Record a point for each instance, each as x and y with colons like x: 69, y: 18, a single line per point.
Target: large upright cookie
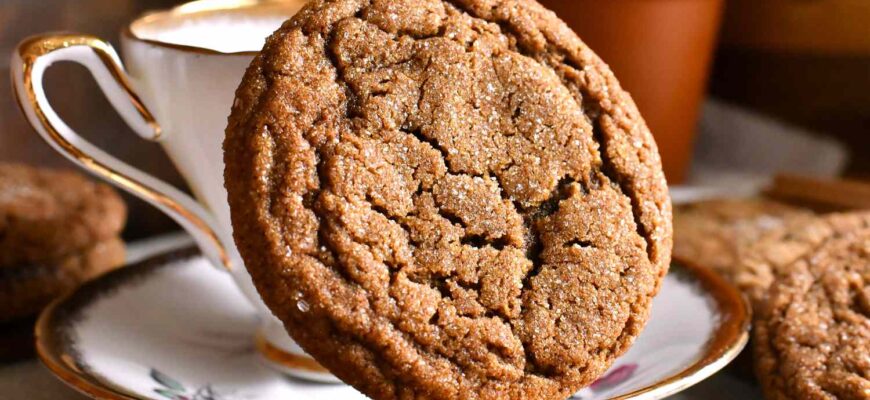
x: 812, y: 336
x: 47, y: 214
x: 446, y: 199
x: 734, y: 236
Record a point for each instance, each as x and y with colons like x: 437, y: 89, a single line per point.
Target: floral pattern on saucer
x: 171, y: 389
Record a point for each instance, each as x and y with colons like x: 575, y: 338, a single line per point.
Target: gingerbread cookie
x: 28, y: 288
x: 812, y: 334
x: 446, y: 199
x: 47, y: 214
x: 726, y: 235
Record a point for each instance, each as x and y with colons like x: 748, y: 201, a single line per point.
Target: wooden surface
x: 821, y: 194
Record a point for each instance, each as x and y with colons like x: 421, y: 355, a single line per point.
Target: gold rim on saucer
x: 726, y: 343
x: 55, y: 348
x: 285, y: 359
x: 54, y: 345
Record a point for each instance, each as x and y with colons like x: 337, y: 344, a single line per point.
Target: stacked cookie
x: 812, y: 332
x: 808, y: 280
x: 723, y: 234
x: 57, y: 229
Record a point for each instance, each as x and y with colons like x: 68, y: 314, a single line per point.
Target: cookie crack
x: 480, y: 241
x: 774, y: 320
x: 437, y: 284
x: 534, y: 246
x: 418, y: 133
x: 352, y: 108
x: 585, y: 244
x: 608, y: 167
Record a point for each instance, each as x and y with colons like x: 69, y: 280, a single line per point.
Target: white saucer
x: 173, y: 327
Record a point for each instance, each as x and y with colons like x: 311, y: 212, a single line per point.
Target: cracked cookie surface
x: 446, y: 199
x: 812, y: 335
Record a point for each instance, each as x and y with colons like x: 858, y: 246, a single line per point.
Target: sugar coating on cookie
x: 446, y: 199
x: 812, y: 336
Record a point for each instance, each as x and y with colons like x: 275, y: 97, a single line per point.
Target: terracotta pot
x: 660, y: 50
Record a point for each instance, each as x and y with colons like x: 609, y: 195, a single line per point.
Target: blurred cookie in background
x: 58, y: 229
x: 811, y: 334
x: 48, y: 214
x: 720, y: 234
x: 27, y: 288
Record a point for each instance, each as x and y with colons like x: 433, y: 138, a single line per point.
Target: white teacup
x: 182, y: 68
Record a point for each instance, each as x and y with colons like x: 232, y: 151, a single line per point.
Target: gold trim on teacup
x: 197, y: 7
x: 33, y: 48
x: 36, y: 46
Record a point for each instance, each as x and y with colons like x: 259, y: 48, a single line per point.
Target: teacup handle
x: 34, y: 56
